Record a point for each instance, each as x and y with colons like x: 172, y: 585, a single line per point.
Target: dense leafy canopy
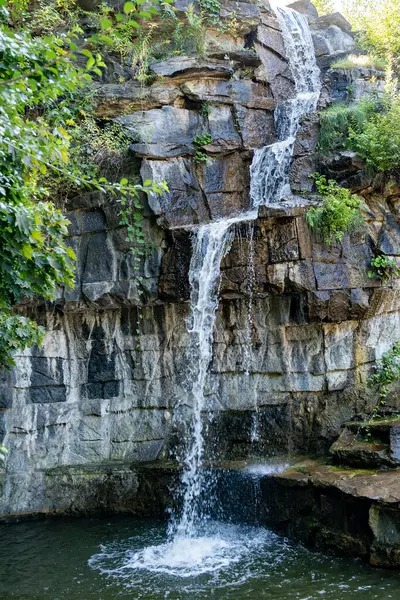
x: 39, y: 79
x: 378, y: 24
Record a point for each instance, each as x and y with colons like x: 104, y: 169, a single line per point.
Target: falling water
x: 251, y: 276
x: 269, y: 183
x: 271, y: 164
x: 209, y: 247
x: 191, y: 545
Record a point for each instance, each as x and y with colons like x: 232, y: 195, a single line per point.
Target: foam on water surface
x: 217, y: 548
x: 263, y: 469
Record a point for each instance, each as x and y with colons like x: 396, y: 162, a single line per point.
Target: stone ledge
x: 113, y: 487
x: 355, y: 512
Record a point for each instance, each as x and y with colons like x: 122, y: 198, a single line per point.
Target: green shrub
x: 378, y: 25
x: 93, y: 150
x: 377, y: 140
x: 189, y: 35
x: 383, y: 268
x: 211, y: 9
x: 387, y: 369
x: 337, y: 120
x: 324, y: 7
x: 340, y: 212
x: 40, y: 81
x: 387, y: 372
x: 370, y: 127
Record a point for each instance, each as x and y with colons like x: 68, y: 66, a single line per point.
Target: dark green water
x: 104, y: 560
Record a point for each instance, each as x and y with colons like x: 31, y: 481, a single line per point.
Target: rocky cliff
x: 299, y: 323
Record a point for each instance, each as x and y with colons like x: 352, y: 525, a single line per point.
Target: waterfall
x: 269, y: 183
x: 209, y: 246
x: 270, y: 168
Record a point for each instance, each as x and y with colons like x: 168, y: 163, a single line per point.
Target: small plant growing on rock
x: 340, y: 212
x: 204, y: 109
x: 199, y: 142
x: 387, y: 372
x: 383, y: 268
x: 211, y: 9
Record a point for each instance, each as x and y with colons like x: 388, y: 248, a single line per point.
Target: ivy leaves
x: 35, y: 257
x: 383, y: 268
x: 40, y: 78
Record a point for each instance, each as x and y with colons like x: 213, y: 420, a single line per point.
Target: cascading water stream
x: 269, y: 183
x: 210, y: 244
x: 192, y: 548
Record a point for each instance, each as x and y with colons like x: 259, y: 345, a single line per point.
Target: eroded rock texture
x: 110, y: 384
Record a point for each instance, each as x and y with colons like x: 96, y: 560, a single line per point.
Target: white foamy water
x: 209, y: 247
x: 262, y: 469
x: 271, y: 164
x: 218, y: 547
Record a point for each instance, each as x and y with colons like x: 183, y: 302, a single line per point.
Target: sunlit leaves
x: 40, y: 78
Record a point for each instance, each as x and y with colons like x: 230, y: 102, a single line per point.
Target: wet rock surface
x: 354, y: 511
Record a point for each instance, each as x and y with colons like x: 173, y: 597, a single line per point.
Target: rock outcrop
x: 354, y: 511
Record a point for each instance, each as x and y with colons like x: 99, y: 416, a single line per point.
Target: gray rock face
x: 184, y: 67
x: 336, y: 509
x: 247, y: 14
x: 245, y: 93
x: 115, y: 99
x: 334, y: 19
x: 162, y: 133
x: 332, y: 43
x: 305, y: 7
x: 184, y: 203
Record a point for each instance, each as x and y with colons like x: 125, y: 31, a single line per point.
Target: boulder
x: 247, y: 93
x: 219, y: 42
x: 225, y: 136
x: 350, y: 451
x: 225, y: 184
x: 163, y: 132
x: 275, y: 70
x: 272, y: 39
x: 332, y: 43
x: 247, y: 15
x: 184, y: 203
x: 336, y: 19
x: 369, y: 444
x: 113, y: 99
x: 389, y: 238
x: 304, y: 7
x: 353, y: 511
x: 257, y: 127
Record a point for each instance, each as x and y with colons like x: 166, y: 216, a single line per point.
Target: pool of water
x: 125, y: 558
